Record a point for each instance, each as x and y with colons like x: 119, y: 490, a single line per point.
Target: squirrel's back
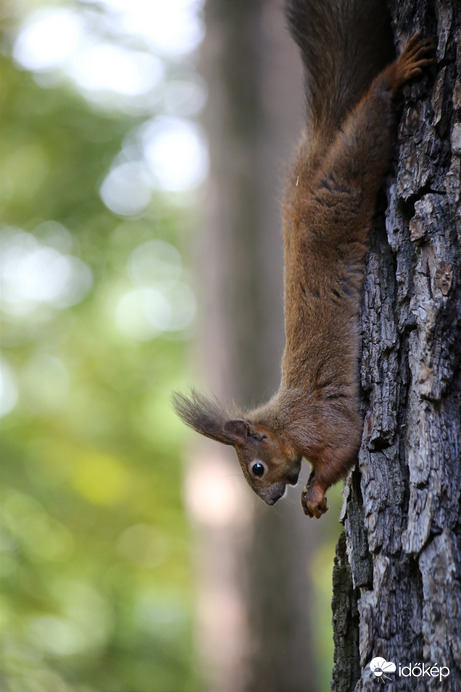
x: 344, y: 45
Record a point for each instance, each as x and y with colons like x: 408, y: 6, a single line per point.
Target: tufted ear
x: 208, y: 418
x: 237, y: 430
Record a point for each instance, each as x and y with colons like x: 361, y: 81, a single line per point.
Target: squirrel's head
x: 267, y: 464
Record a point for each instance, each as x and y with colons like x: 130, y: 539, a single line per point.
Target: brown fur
x: 329, y: 205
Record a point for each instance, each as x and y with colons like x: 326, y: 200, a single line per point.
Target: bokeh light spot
x: 100, y: 478
x: 32, y: 273
x: 176, y: 153
x: 105, y: 66
x: 47, y: 38
x: 126, y: 189
x: 155, y: 263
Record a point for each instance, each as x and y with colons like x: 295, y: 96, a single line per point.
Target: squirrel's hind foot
x: 417, y: 54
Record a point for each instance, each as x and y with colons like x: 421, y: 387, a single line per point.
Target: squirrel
x: 329, y: 203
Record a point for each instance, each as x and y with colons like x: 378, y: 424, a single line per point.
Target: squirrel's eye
x: 258, y: 469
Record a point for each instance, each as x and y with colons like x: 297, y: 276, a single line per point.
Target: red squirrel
x: 327, y: 213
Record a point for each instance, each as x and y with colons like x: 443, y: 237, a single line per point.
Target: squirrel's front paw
x: 313, y: 501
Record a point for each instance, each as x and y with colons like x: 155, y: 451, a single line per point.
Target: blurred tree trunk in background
x: 396, y: 583
x: 253, y: 565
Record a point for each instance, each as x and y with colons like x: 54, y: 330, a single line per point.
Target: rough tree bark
x: 397, y: 571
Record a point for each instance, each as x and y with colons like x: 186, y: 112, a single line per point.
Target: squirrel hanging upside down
x: 329, y: 205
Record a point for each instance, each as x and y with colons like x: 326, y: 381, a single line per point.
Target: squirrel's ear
x: 237, y: 430
x: 204, y: 415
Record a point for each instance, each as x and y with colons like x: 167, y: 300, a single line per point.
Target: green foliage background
x: 97, y: 589
x: 97, y: 582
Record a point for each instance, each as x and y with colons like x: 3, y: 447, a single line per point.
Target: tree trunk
x: 397, y: 571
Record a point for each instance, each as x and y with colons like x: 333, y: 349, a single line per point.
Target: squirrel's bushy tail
x: 344, y: 45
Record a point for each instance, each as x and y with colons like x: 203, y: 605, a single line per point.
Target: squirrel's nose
x: 275, y: 497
